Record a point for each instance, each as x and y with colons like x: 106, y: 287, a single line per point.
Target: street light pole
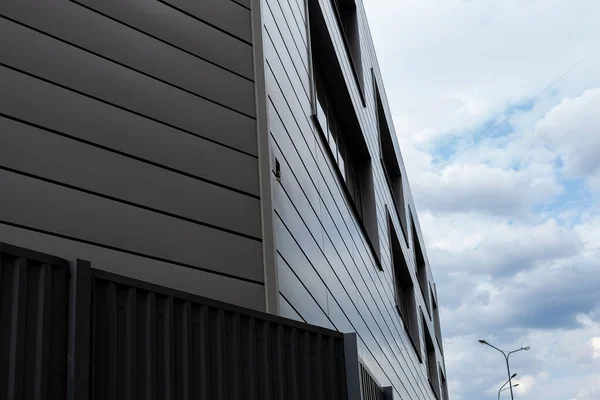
x: 509, y: 378
x: 506, y: 356
x: 502, y: 390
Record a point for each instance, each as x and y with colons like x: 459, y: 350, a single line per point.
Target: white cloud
x: 591, y: 392
x: 526, y: 384
x: 595, y: 345
x: 590, y: 233
x: 543, y: 298
x: 485, y: 246
x: 572, y: 128
x: 485, y: 189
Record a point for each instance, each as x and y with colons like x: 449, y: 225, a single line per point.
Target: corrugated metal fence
x: 33, y: 324
x: 71, y: 331
x: 152, y: 342
x: 370, y: 389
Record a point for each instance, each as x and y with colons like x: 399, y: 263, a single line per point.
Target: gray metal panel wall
x: 33, y: 324
x: 153, y: 342
x: 328, y: 275
x: 129, y: 131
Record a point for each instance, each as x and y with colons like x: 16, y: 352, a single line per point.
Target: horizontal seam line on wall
x: 304, y: 67
x: 130, y: 203
x: 290, y: 304
x: 131, y: 156
x: 125, y: 109
x: 242, y: 5
x: 88, y: 51
x: 167, y: 261
x: 300, y: 11
x: 290, y: 32
x: 326, y: 314
x: 162, y: 40
x: 206, y: 22
x: 297, y: 25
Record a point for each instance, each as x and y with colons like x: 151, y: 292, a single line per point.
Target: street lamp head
x: 508, y: 388
x: 513, y: 375
x: 482, y: 341
x: 526, y: 348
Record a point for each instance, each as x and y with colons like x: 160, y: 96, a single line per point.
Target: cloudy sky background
x: 512, y: 226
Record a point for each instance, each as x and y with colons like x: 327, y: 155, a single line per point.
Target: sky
x: 511, y: 225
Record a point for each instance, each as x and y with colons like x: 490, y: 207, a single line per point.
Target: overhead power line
x: 506, y: 118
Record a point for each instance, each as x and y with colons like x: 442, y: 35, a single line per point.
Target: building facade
x: 239, y: 150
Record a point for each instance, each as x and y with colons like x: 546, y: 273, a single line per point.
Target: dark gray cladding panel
x: 40, y: 55
x: 244, y: 3
x: 75, y: 214
x: 299, y: 297
x: 180, y: 30
x: 43, y: 104
x: 287, y: 311
x: 223, y: 14
x: 50, y: 156
x: 119, y: 43
x: 129, y: 130
x: 291, y: 253
x: 204, y: 283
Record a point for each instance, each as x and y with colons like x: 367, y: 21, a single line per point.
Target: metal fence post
x: 388, y: 392
x: 352, y: 366
x: 78, y: 354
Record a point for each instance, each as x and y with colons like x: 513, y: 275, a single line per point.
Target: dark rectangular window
x: 420, y: 264
x: 444, y: 386
x: 389, y: 161
x: 329, y: 120
x: 404, y: 290
x: 347, y: 17
x: 340, y: 130
x: 431, y: 361
x: 436, y: 321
